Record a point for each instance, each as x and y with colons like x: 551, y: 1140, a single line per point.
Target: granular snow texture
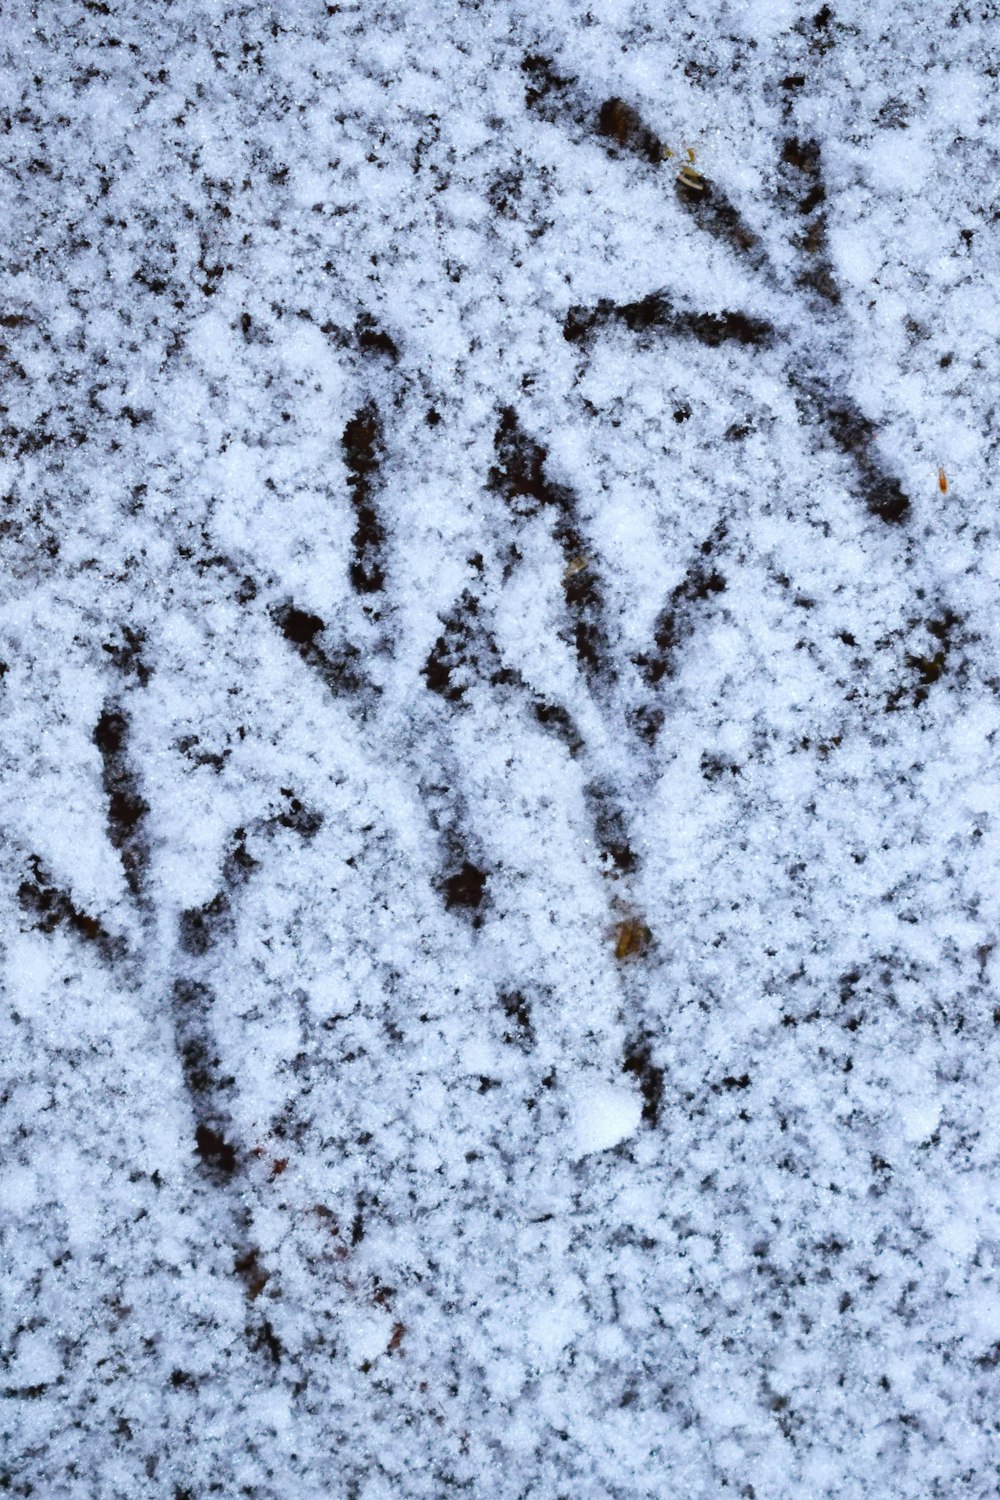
x: 499, y: 694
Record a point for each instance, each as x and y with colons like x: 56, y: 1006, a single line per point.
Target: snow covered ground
x: 498, y: 623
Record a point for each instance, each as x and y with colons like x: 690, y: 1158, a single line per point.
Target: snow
x: 498, y: 886
x: 605, y: 1116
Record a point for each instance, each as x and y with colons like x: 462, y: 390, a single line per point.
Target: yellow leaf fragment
x: 689, y: 178
x: 631, y: 938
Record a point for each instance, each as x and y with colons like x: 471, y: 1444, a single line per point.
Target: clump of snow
x: 604, y: 1116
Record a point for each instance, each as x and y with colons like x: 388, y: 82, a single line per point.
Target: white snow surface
x: 605, y: 1116
x: 498, y: 716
